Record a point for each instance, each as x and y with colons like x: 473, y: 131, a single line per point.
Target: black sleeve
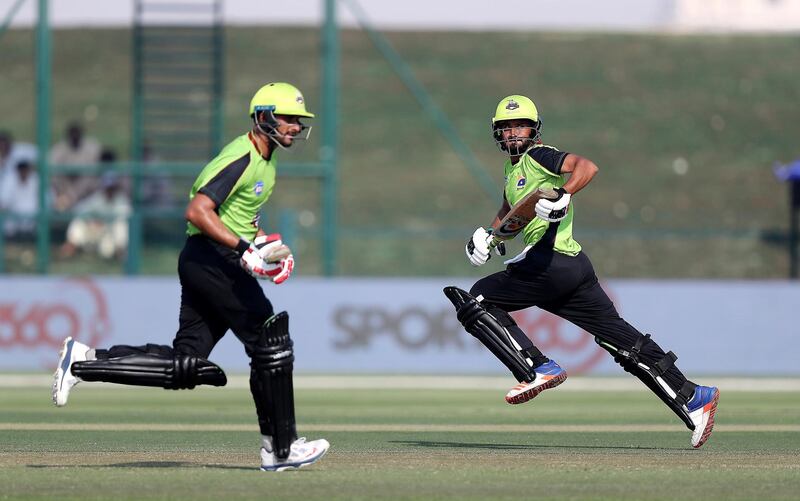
x: 549, y: 158
x: 220, y: 186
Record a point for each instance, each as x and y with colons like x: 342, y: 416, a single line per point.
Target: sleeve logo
x: 259, y: 187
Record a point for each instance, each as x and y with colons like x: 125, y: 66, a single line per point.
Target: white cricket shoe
x: 63, y: 379
x: 301, y: 453
x: 548, y: 375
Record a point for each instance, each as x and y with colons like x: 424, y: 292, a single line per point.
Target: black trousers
x: 568, y: 287
x: 216, y: 295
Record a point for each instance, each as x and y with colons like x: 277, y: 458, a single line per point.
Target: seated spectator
x: 101, y: 221
x: 108, y: 161
x: 11, y: 153
x: 156, y: 185
x: 76, y: 148
x: 81, y: 151
x: 19, y: 199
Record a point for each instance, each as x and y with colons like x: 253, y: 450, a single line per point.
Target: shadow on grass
x: 520, y: 447
x: 148, y: 464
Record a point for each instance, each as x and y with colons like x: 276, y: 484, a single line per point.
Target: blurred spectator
x: 108, y: 161
x: 79, y: 150
x: 788, y: 172
x: 76, y: 148
x: 19, y: 197
x: 11, y: 153
x: 156, y: 185
x: 101, y: 221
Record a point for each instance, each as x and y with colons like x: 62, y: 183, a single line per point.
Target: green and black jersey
x: 540, y: 167
x: 239, y: 181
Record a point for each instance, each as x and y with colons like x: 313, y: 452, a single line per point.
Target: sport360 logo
x: 416, y: 328
x: 74, y: 307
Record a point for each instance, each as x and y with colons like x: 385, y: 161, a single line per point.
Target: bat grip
x: 495, y: 241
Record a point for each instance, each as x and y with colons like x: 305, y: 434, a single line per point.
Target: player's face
x: 289, y: 127
x: 515, y: 134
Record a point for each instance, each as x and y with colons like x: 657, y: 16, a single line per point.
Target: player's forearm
x: 502, y: 212
x: 581, y: 174
x: 211, y: 225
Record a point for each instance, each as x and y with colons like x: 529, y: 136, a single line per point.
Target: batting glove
x: 479, y: 246
x: 271, y: 248
x: 251, y: 260
x: 554, y: 210
x: 282, y: 269
x: 278, y: 257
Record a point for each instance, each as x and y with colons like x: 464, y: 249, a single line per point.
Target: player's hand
x: 271, y: 248
x: 554, y: 210
x: 251, y: 260
x: 478, y: 247
x: 277, y: 255
x: 281, y: 270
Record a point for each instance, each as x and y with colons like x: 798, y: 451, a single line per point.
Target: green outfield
x: 395, y: 444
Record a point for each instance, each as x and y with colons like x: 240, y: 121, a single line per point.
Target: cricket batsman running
x: 225, y: 252
x: 554, y: 274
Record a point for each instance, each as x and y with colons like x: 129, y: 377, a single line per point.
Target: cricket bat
x: 520, y: 215
x: 278, y: 254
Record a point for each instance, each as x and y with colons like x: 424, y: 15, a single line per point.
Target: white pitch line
x: 409, y: 428
x: 449, y: 382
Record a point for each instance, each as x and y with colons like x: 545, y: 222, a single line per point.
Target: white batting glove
x: 554, y: 210
x: 478, y: 247
x: 250, y: 260
x: 277, y: 256
x: 281, y: 270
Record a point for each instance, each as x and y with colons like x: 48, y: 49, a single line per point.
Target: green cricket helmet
x: 280, y: 98
x: 516, y: 107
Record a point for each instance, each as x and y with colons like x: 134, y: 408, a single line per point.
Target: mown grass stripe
x: 410, y: 428
x: 447, y: 382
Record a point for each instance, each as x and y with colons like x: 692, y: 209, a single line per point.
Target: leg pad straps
x: 176, y: 372
x: 489, y: 331
x: 271, y: 364
x: 650, y: 374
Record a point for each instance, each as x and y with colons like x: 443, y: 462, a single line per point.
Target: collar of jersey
x: 255, y: 145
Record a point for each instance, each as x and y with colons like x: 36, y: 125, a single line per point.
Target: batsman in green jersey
x: 225, y: 252
x: 554, y: 274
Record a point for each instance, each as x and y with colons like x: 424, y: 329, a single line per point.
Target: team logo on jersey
x: 521, y: 182
x: 259, y: 187
x: 512, y: 105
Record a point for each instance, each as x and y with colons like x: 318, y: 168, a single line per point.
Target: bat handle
x: 495, y: 241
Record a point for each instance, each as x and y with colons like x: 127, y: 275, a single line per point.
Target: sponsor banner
x: 408, y: 326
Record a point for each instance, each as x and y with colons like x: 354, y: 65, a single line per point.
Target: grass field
x: 395, y: 443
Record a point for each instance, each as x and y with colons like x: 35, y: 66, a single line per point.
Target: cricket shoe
x: 702, y: 408
x: 63, y: 379
x: 301, y: 453
x: 548, y: 375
